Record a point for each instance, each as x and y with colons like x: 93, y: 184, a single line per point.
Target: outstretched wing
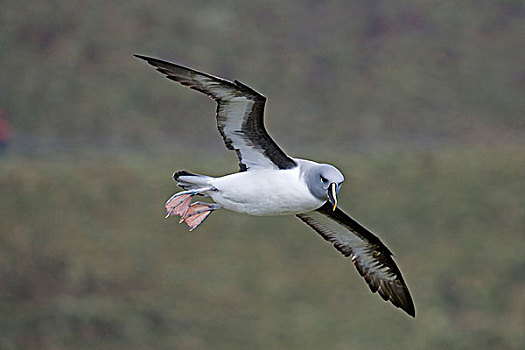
x: 370, y: 256
x: 240, y: 112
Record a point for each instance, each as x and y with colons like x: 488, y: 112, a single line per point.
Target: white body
x: 264, y: 192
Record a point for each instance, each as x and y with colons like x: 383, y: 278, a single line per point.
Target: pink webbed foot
x: 197, y: 213
x: 178, y: 204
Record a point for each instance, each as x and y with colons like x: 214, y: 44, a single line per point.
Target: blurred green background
x: 420, y: 104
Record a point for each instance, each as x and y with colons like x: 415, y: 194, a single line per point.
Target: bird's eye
x: 323, y: 179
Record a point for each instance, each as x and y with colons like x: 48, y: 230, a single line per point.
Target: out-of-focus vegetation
x: 88, y: 261
x: 420, y: 104
x: 380, y: 71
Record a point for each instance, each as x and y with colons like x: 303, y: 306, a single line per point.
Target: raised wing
x: 240, y: 112
x: 370, y: 256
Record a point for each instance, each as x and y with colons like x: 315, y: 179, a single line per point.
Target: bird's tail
x: 191, y: 181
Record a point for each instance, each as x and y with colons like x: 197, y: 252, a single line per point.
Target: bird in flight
x: 269, y: 182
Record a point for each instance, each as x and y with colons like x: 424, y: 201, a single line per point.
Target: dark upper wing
x: 370, y: 256
x: 240, y: 112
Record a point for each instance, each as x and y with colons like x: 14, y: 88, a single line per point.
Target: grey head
x: 323, y: 181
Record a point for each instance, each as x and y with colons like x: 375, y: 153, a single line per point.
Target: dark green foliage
x: 362, y: 72
x: 88, y: 260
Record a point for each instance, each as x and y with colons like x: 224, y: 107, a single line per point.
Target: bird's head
x: 324, y: 182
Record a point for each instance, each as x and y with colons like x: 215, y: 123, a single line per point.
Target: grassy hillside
x: 87, y: 259
x: 361, y: 71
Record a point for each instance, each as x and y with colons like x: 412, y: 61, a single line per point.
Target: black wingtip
x: 409, y: 306
x: 145, y: 58
x: 155, y: 62
x: 410, y: 310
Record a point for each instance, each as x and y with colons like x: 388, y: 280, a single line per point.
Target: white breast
x: 265, y: 192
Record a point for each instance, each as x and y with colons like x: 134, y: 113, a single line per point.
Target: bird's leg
x: 197, y: 213
x: 179, y: 203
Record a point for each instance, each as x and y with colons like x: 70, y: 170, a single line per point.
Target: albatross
x: 270, y: 182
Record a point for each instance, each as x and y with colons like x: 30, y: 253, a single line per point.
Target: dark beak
x: 332, y: 194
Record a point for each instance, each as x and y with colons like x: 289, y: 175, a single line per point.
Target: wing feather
x: 372, y: 259
x: 239, y: 114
